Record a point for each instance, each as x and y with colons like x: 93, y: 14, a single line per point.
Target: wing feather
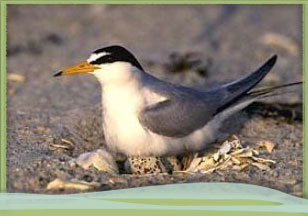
x: 176, y: 117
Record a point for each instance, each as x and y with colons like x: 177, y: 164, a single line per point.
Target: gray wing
x: 176, y: 117
x: 187, y: 109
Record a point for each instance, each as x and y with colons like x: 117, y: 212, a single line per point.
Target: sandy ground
x: 227, y: 41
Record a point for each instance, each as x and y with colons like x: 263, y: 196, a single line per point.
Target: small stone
x: 15, y: 77
x: 289, y: 181
x: 269, y: 145
x: 282, y: 41
x: 100, y: 159
x: 71, y: 184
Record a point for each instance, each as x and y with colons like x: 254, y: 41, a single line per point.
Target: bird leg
x: 187, y: 158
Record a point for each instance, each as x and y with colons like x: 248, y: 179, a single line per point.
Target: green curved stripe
x: 134, y: 212
x: 198, y: 202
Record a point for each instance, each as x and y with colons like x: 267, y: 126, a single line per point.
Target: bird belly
x: 126, y: 135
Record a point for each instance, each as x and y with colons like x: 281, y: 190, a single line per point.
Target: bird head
x: 113, y: 63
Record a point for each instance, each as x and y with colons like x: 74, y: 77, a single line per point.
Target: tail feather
x: 259, y: 94
x: 265, y: 91
x: 252, y: 96
x: 249, y: 98
x: 235, y: 90
x: 239, y: 87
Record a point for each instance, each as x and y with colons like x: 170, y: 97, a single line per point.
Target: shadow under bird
x: 146, y: 116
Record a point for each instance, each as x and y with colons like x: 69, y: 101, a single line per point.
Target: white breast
x: 122, y: 128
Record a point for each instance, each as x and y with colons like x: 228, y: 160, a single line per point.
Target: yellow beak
x: 82, y: 67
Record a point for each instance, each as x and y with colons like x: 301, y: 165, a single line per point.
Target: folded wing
x: 185, y: 110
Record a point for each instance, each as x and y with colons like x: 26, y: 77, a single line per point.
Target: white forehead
x: 95, y: 56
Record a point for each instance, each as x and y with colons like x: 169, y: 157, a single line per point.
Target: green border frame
x: 3, y: 98
x: 3, y: 60
x: 155, y: 2
x: 305, y: 97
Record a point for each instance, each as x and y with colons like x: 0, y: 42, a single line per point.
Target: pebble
x: 100, y: 159
x: 71, y: 184
x: 15, y: 77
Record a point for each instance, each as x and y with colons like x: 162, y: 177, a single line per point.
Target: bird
x: 146, y: 116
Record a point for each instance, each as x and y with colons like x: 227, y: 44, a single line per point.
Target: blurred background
x: 229, y: 40
x: 186, y: 44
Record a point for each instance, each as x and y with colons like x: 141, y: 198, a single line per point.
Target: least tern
x: 146, y: 116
